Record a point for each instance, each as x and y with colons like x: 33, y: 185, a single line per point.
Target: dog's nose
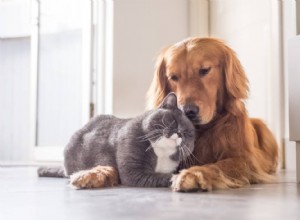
x: 191, y: 111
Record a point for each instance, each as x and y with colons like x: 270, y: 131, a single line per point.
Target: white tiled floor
x: 25, y: 196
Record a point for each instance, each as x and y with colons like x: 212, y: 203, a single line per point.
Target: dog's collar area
x: 200, y: 128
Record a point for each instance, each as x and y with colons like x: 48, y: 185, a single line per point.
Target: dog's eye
x: 204, y: 71
x: 174, y: 78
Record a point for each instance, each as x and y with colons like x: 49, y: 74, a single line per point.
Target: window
x: 61, y: 73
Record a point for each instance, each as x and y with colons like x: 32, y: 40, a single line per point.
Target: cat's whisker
x: 154, y: 131
x: 158, y: 137
x: 191, y: 161
x: 179, y: 154
x: 150, y: 135
x: 150, y: 138
x: 157, y: 140
x: 160, y: 125
x: 191, y: 153
x: 188, y: 160
x: 148, y: 148
x: 182, y: 156
x: 185, y: 158
x: 154, y: 134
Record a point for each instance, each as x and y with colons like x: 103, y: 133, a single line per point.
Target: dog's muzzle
x: 191, y: 111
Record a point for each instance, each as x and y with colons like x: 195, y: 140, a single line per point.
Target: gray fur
x: 51, y: 171
x: 125, y: 144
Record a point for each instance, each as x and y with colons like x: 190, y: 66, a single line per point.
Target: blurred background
x: 64, y: 61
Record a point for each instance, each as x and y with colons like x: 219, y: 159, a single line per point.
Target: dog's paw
x: 97, y: 177
x: 187, y: 181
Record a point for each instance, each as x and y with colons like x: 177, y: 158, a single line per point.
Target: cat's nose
x: 191, y: 111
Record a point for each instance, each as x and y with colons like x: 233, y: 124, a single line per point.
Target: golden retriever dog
x: 231, y: 149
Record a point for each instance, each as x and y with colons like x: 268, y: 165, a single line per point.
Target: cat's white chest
x: 164, y: 148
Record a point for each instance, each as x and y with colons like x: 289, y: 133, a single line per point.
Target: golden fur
x: 231, y: 149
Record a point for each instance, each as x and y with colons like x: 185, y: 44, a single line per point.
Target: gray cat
x: 145, y: 150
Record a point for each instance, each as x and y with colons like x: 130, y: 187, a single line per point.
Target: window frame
x: 55, y: 153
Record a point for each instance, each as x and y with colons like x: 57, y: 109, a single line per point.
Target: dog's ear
x: 236, y: 81
x: 159, y: 86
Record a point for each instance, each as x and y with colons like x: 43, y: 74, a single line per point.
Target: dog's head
x: 204, y: 73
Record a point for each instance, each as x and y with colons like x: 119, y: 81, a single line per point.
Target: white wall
x: 141, y: 29
x: 289, y: 30
x: 14, y: 99
x: 14, y: 80
x: 298, y: 16
x: 16, y: 14
x: 251, y: 28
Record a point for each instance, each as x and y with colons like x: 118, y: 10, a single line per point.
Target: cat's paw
x: 97, y: 177
x: 187, y: 181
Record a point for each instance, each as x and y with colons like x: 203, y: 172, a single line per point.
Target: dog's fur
x: 231, y: 150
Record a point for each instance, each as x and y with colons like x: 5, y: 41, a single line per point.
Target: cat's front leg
x: 97, y: 177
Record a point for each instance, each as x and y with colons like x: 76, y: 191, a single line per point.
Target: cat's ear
x: 169, y: 102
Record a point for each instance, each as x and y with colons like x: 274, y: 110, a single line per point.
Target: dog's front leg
x: 228, y: 173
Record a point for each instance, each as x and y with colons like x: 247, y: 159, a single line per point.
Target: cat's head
x: 168, y: 127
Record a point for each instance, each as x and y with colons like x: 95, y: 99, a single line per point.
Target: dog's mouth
x: 198, y: 121
x: 195, y: 120
x: 193, y: 113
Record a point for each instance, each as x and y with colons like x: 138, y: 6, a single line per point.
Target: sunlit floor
x: 25, y: 196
